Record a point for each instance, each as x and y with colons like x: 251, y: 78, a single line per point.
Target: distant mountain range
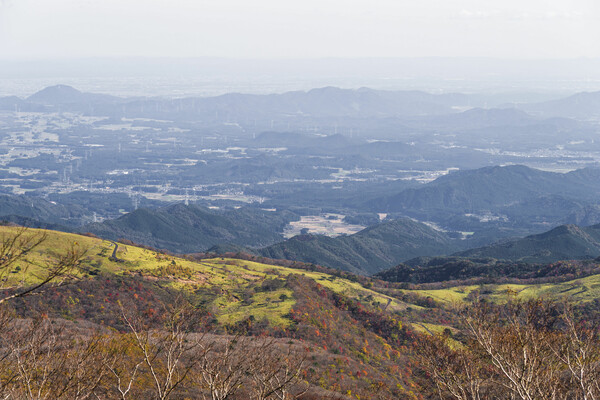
x: 188, y: 229
x: 323, y: 102
x: 67, y: 95
x: 480, y: 118
x: 585, y: 105
x: 368, y: 251
x: 495, y: 202
x: 33, y: 211
x: 490, y: 188
x: 514, y: 196
x: 566, y: 242
x: 318, y: 103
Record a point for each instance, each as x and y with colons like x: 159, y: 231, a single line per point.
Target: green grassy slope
x: 359, y: 329
x: 223, y: 284
x: 579, y: 290
x: 353, y: 341
x: 226, y: 287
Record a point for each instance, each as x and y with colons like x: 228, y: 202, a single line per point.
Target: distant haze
x: 182, y: 77
x: 299, y: 29
x: 208, y: 47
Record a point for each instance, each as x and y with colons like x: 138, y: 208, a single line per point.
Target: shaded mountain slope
x: 589, y: 215
x: 566, y: 242
x: 368, y: 251
x: 488, y: 188
x: 34, y: 223
x: 38, y: 209
x: 584, y: 105
x: 186, y: 229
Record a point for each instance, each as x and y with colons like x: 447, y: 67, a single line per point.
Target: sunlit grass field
x: 219, y: 283
x: 583, y: 289
x: 228, y: 287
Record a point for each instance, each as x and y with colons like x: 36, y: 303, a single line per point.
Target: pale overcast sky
x: 300, y: 29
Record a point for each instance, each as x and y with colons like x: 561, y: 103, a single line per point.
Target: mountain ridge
x: 494, y: 186
x: 368, y: 251
x: 565, y: 242
x: 189, y: 229
x: 64, y: 94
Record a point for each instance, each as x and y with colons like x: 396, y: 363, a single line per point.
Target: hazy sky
x: 300, y: 28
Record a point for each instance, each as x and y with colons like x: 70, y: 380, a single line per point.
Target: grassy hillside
x: 226, y: 287
x: 353, y: 342
x: 359, y: 330
x: 580, y: 290
x: 233, y: 277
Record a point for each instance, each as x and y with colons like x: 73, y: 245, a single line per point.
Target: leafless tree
x: 122, y: 361
x: 579, y: 351
x: 223, y: 366
x: 517, y: 338
x: 455, y: 372
x: 33, y: 345
x: 168, y: 353
x: 84, y: 372
x: 275, y: 371
x: 535, y: 349
x: 7, y: 370
x: 45, y: 361
x: 16, y: 245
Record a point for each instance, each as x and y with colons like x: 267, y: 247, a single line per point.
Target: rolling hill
x: 584, y: 105
x: 38, y: 209
x: 566, y: 242
x: 336, y: 320
x: 188, y: 229
x: 67, y: 95
x: 490, y: 188
x: 355, y: 330
x: 368, y: 251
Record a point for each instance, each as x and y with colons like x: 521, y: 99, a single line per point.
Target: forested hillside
x: 566, y: 242
x: 187, y: 229
x: 369, y: 250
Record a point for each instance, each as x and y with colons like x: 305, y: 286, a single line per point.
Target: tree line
x: 535, y: 349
